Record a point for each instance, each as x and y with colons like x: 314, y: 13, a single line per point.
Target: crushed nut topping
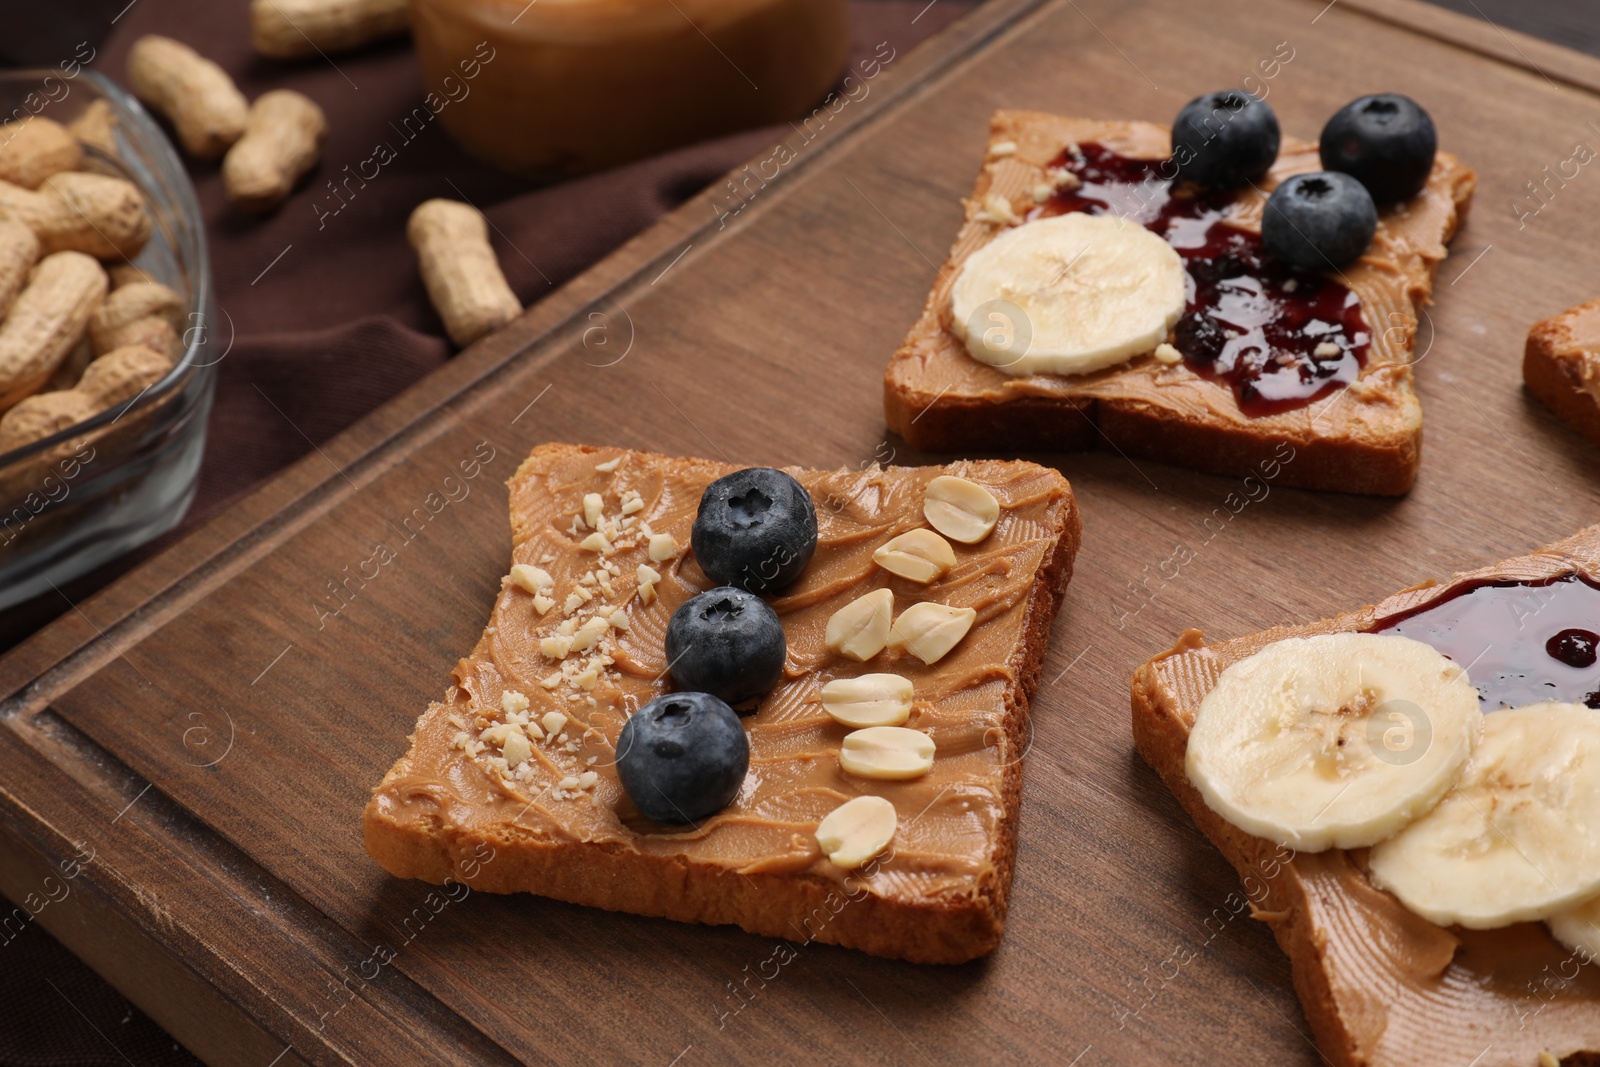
x: 662, y: 547
x: 997, y: 209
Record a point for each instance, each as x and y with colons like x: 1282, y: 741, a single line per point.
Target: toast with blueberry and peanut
x: 794, y: 701
x: 1202, y: 296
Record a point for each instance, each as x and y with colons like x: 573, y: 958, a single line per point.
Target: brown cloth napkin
x: 329, y: 319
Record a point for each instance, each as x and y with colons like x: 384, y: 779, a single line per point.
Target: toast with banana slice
x: 1214, y: 394
x: 1561, y: 367
x: 872, y: 791
x: 1381, y: 984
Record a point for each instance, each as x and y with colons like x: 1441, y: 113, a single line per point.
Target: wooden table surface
x: 209, y: 727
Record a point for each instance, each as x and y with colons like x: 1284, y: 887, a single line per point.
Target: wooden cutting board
x: 207, y: 730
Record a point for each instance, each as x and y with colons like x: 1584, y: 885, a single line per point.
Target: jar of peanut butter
x: 551, y: 87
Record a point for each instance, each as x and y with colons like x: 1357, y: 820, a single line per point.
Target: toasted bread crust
x: 1337, y: 452
x: 1292, y: 893
x: 949, y: 928
x: 1561, y: 367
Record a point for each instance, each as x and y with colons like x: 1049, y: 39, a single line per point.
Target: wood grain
x: 211, y: 725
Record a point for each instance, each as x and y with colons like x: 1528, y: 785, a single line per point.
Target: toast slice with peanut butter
x: 1561, y: 367
x: 1380, y: 985
x: 1356, y: 427
x: 510, y: 781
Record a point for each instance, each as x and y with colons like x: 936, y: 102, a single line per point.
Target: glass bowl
x: 78, y: 499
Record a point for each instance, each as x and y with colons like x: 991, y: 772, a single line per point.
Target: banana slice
x: 1518, y: 838
x: 1578, y: 928
x: 1068, y: 295
x: 1335, y: 741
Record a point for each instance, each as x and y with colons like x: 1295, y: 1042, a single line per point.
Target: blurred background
x: 326, y: 317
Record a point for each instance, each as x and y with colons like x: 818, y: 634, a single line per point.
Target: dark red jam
x: 1521, y: 642
x: 1252, y: 321
x: 1575, y: 648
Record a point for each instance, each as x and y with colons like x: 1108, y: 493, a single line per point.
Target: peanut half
x: 295, y: 29
x: 961, y: 510
x: 856, y: 831
x: 860, y: 629
x: 870, y: 700
x: 919, y: 555
x: 104, y: 217
x: 34, y: 148
x: 46, y: 321
x: 928, y: 631
x: 281, y: 142
x: 459, y: 269
x: 206, y: 109
x: 890, y: 753
x: 127, y: 315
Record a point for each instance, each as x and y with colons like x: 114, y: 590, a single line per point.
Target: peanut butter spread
x: 1391, y: 279
x: 1406, y: 993
x: 1583, y: 327
x: 1573, y: 337
x: 643, y: 505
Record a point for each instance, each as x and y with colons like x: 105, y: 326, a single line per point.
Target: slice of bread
x: 454, y: 808
x: 1380, y: 986
x: 1561, y: 366
x: 1365, y: 438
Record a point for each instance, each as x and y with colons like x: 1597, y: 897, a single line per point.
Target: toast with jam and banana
x: 1410, y: 792
x: 1203, y: 295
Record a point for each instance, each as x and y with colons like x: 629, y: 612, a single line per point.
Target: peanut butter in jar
x: 552, y: 87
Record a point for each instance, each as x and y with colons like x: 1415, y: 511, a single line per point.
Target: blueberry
x: 1199, y: 337
x: 1386, y: 142
x: 1219, y: 268
x: 1225, y: 139
x: 1319, y: 221
x: 756, y: 529
x: 726, y: 642
x: 682, y: 757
